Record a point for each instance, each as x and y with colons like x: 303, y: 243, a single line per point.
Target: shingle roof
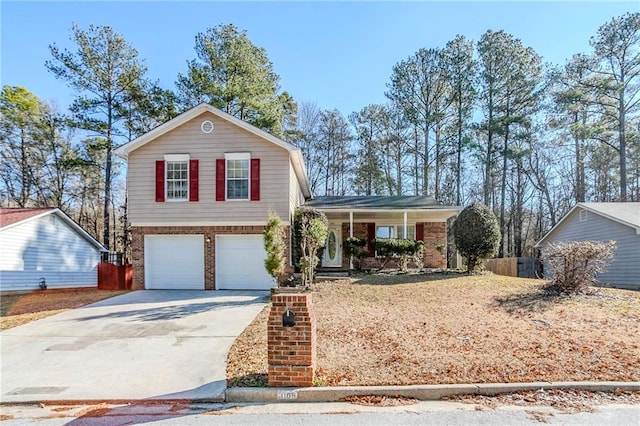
x: 624, y: 212
x: 376, y: 203
x: 11, y: 215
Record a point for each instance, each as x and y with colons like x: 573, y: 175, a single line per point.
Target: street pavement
x: 295, y: 414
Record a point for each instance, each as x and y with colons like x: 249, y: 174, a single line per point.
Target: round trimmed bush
x: 477, y: 234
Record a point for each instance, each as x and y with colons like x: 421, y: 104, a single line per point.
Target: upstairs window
x: 176, y: 178
x: 237, y: 176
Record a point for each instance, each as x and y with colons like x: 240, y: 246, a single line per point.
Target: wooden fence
x: 523, y: 267
x: 114, y: 277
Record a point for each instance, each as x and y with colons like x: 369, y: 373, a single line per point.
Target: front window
x: 177, y: 177
x: 395, y: 231
x: 237, y: 176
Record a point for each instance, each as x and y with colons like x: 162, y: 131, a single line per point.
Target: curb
x: 420, y: 392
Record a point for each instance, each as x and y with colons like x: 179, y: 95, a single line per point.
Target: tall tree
x: 617, y: 47
x: 418, y: 86
x: 102, y: 71
x: 369, y: 125
x: 233, y: 74
x: 146, y: 105
x: 573, y: 111
x: 306, y: 138
x: 494, y: 61
x: 19, y: 112
x: 335, y: 137
x: 461, y: 75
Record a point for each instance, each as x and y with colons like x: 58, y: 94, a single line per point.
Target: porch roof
x: 378, y: 203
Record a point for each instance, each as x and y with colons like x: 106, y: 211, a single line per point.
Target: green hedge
x: 404, y: 250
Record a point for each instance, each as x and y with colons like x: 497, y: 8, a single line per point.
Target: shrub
x: 476, y: 233
x: 575, y: 264
x: 310, y: 228
x: 404, y: 250
x: 274, y: 244
x: 354, y: 247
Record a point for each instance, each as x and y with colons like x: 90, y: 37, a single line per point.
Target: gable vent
x: 207, y: 126
x: 583, y: 215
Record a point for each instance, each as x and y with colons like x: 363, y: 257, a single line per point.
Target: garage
x: 240, y: 263
x: 174, y: 262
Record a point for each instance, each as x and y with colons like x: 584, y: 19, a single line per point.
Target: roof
x: 295, y: 154
x: 10, y: 217
x: 627, y: 214
x: 398, y: 202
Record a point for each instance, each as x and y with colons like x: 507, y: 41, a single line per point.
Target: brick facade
x: 435, y: 234
x: 209, y: 232
x: 291, y: 351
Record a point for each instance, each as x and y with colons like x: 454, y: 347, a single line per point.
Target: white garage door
x: 240, y: 263
x: 174, y: 262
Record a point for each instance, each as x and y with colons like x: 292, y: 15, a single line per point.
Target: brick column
x: 291, y: 350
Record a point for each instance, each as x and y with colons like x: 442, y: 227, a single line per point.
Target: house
x: 44, y: 245
x: 619, y: 222
x: 200, y: 188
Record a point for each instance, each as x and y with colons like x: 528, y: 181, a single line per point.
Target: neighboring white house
x: 619, y: 222
x: 39, y: 244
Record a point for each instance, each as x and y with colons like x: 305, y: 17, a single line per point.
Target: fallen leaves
x: 380, y: 400
x: 563, y: 400
x: 439, y: 329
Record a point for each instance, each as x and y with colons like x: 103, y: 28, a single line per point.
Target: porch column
x: 351, y: 236
x: 351, y: 224
x: 404, y: 223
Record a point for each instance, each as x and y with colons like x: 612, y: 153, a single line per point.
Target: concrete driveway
x: 152, y: 344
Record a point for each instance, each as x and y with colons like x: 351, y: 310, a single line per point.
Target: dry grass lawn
x: 18, y: 309
x: 451, y: 328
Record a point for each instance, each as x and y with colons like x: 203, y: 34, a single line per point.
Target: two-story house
x: 200, y: 188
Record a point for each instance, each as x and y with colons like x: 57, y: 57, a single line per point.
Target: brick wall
x: 291, y: 351
x: 435, y: 233
x: 359, y: 230
x: 137, y: 246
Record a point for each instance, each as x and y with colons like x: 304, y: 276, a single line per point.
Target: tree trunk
x: 622, y: 145
x: 107, y: 178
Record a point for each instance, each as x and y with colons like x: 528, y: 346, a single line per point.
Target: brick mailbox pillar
x: 291, y: 349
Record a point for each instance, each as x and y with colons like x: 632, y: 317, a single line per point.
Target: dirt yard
x: 452, y: 328
x: 18, y: 309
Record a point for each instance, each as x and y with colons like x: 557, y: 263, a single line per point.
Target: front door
x: 333, y: 248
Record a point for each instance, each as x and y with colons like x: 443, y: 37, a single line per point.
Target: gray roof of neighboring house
x: 628, y: 213
x: 377, y: 203
x: 625, y: 213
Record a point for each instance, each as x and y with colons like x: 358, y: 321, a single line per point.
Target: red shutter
x: 371, y: 234
x: 420, y: 231
x: 193, y: 180
x: 159, y: 181
x: 255, y: 179
x: 220, y: 180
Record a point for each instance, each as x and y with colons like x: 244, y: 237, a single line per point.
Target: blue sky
x: 336, y: 54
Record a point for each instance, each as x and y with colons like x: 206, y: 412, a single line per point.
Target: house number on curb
x: 288, y: 395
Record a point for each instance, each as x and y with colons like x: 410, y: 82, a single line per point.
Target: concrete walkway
x: 140, y: 345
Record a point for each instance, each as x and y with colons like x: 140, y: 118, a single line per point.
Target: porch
x: 414, y: 217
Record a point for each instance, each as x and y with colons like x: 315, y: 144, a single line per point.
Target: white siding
x: 625, y: 268
x: 48, y: 248
x: 189, y: 139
